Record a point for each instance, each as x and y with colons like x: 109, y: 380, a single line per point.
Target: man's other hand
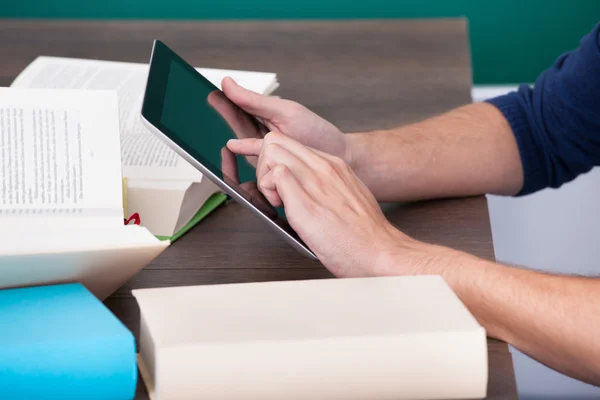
x: 330, y: 208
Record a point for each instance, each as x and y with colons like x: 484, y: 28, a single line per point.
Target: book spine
x: 424, y: 366
x: 86, y: 368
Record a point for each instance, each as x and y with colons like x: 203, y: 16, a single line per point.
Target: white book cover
x: 340, y: 339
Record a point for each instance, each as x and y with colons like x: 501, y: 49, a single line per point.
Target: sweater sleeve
x: 556, y: 123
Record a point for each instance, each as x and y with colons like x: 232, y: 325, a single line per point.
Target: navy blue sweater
x: 557, y: 122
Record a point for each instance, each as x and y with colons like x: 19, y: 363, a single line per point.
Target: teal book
x: 61, y: 342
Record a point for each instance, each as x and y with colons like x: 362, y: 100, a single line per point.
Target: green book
x: 211, y: 204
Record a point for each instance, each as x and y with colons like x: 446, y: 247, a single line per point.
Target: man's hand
x: 248, y: 189
x: 552, y: 318
x: 330, y: 208
x: 291, y: 119
x: 467, y: 151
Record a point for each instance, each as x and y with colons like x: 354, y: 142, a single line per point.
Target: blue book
x: 61, y: 342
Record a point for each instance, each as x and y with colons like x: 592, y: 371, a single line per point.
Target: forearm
x: 554, y: 319
x: 467, y: 151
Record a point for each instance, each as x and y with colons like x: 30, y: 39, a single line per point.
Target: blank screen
x: 188, y: 112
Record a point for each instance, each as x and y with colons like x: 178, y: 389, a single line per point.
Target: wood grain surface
x: 360, y: 75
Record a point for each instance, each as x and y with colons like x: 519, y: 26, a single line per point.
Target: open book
x: 362, y: 338
x: 164, y: 192
x: 61, y: 194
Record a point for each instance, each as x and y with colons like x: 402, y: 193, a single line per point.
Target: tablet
x: 195, y: 119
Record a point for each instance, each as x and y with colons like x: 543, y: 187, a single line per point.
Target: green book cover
x: 209, y: 206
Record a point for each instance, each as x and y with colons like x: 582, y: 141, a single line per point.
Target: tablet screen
x: 199, y: 118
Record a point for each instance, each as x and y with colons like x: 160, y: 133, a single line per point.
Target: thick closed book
x: 61, y: 342
x: 343, y: 339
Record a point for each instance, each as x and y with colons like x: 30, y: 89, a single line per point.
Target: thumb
x: 251, y: 102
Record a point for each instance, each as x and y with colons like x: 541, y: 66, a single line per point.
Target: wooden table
x: 360, y: 75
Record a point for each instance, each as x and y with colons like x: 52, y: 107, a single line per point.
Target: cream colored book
x: 61, y: 193
x: 336, y: 339
x: 164, y: 192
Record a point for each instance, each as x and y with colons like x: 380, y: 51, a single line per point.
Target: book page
x: 27, y: 241
x: 59, y: 154
x: 143, y: 155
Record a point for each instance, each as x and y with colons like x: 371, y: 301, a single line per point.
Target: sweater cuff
x: 510, y: 105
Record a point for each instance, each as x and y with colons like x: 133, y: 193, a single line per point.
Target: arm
x: 467, y: 151
x: 512, y: 145
x: 554, y: 319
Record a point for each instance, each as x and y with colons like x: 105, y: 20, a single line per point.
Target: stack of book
x: 355, y: 339
x: 71, y: 134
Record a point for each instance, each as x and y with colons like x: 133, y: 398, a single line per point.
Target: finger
x: 229, y: 167
x: 268, y: 189
x: 301, y: 151
x: 254, y: 103
x: 296, y: 201
x: 252, y: 147
x: 256, y: 198
x: 333, y: 170
x: 267, y: 182
x: 267, y: 160
x: 274, y: 154
x: 245, y: 147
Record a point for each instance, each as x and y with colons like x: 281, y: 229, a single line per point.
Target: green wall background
x: 512, y: 41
